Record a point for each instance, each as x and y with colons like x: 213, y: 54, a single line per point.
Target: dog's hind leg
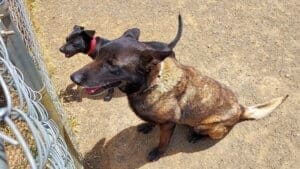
x: 194, y: 137
x: 218, y: 132
x: 214, y: 131
x: 109, y: 94
x: 145, y: 128
x: 197, y: 133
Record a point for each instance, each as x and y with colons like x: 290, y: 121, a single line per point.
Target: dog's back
x: 183, y: 95
x: 206, y: 101
x: 187, y: 96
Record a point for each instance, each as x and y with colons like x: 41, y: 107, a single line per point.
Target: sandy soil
x: 252, y: 46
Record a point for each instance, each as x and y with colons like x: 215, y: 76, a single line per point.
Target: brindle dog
x: 164, y: 92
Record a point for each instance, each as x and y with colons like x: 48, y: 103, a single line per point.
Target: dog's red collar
x: 92, y: 46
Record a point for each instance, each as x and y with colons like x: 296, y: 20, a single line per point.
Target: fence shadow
x: 128, y: 149
x: 74, y: 93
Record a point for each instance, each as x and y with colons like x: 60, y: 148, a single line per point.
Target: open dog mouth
x: 68, y: 55
x: 99, y: 89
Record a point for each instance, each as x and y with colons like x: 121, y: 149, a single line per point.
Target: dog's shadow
x: 74, y: 93
x: 129, y: 149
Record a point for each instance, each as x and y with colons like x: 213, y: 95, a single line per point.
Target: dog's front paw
x: 195, y: 137
x: 145, y: 128
x: 154, y: 155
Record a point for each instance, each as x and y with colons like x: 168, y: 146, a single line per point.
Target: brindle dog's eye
x: 116, y: 71
x: 113, y: 69
x: 110, y: 62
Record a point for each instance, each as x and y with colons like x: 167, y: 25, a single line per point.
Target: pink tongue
x: 91, y: 90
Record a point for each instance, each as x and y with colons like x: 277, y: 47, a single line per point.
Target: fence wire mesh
x: 19, y: 102
x: 17, y: 11
x: 51, y: 149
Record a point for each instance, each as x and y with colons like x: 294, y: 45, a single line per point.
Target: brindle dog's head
x: 123, y: 62
x: 78, y: 41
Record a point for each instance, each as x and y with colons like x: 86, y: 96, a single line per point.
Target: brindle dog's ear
x: 132, y: 33
x: 89, y: 33
x: 152, y: 56
x: 76, y: 27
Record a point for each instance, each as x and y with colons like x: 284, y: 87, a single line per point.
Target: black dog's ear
x: 89, y: 33
x: 132, y: 33
x: 76, y: 27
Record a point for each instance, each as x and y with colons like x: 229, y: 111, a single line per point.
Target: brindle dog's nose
x: 62, y: 49
x: 78, y: 78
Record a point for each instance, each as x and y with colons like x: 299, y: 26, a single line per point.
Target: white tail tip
x: 262, y: 110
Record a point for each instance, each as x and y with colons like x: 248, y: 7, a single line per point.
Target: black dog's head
x: 78, y: 41
x: 123, y: 63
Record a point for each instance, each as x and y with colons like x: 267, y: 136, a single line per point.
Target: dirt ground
x: 252, y: 46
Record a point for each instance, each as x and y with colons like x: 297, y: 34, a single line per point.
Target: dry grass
x: 15, y: 154
x: 73, y: 123
x: 31, y: 10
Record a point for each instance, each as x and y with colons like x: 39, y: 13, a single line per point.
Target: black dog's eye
x: 76, y: 44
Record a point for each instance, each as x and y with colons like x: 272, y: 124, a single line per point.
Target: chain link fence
x: 23, y: 79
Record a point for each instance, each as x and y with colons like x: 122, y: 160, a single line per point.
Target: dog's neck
x: 92, y: 46
x: 99, y: 42
x: 164, y: 76
x: 154, y: 77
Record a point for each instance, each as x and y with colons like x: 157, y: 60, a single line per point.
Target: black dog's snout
x: 78, y: 78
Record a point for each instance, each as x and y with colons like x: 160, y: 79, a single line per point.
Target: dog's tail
x: 179, y: 33
x: 262, y: 110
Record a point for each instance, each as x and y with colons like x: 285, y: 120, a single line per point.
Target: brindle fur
x: 185, y: 96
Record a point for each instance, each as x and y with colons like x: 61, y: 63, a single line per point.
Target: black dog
x: 85, y: 41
